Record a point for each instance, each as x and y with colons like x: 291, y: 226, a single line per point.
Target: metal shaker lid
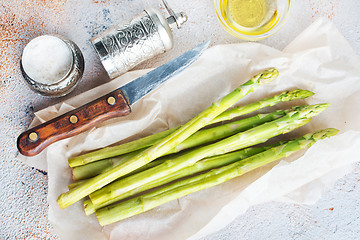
x: 175, y: 18
x: 163, y: 28
x: 165, y: 25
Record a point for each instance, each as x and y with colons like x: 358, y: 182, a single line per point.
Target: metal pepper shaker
x: 124, y: 46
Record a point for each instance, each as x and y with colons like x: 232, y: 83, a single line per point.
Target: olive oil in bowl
x: 249, y: 19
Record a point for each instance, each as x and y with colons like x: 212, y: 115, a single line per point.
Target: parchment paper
x: 319, y: 59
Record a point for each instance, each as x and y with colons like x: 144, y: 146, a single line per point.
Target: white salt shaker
x: 52, y: 65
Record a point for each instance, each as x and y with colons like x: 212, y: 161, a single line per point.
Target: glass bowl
x: 241, y: 18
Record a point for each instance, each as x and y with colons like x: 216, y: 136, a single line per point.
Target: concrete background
x: 23, y: 191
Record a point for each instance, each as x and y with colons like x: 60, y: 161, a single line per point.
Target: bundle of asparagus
x: 214, y: 177
x: 134, y: 177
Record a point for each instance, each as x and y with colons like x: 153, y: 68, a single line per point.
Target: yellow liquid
x: 250, y: 17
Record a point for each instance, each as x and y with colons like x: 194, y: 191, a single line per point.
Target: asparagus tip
x: 308, y: 111
x: 296, y: 94
x: 328, y: 132
x: 319, y: 135
x: 268, y: 75
x: 321, y: 107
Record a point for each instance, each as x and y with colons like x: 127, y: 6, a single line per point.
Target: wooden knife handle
x: 34, y: 140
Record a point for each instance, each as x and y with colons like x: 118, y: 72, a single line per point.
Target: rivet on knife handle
x: 74, y: 122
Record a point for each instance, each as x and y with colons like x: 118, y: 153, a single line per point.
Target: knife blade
x: 114, y: 104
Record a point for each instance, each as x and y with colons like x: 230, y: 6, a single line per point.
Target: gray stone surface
x: 23, y: 190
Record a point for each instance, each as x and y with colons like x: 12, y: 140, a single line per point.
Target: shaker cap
x: 177, y: 19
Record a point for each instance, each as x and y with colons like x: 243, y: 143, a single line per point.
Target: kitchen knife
x: 114, y: 104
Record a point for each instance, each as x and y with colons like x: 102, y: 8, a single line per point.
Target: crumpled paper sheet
x: 319, y: 59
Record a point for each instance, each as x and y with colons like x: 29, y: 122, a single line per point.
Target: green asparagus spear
x: 256, y: 135
x: 108, y: 152
x: 203, y: 165
x: 176, y: 190
x: 143, y: 168
x: 114, y: 151
x: 169, y: 142
x: 268, y: 102
x: 95, y: 168
x: 199, y: 138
